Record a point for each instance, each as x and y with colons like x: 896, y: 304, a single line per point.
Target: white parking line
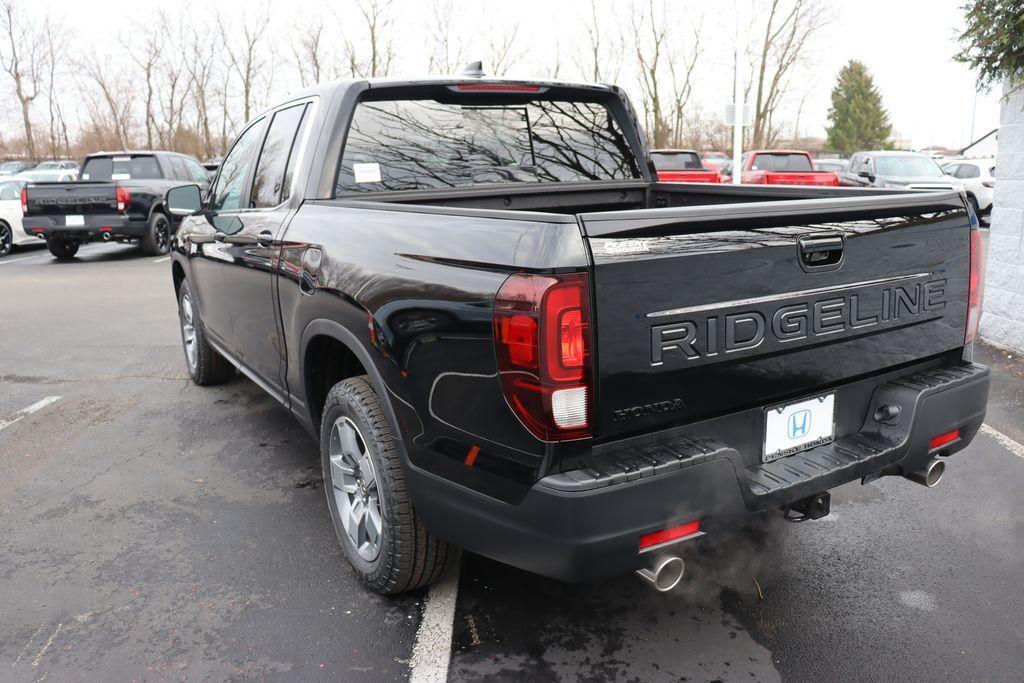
x: 433, y: 648
x: 1014, y: 447
x: 161, y: 260
x: 4, y: 262
x: 38, y: 405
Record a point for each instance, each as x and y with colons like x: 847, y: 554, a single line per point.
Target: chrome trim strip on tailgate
x: 786, y: 295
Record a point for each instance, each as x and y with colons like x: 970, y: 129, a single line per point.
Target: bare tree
x: 109, y: 110
x: 60, y: 144
x: 23, y: 57
x: 145, y: 47
x: 502, y: 48
x: 666, y: 72
x: 247, y: 56
x: 789, y: 28
x: 599, y: 57
x: 201, y: 68
x: 378, y: 26
x: 447, y: 53
x: 308, y: 52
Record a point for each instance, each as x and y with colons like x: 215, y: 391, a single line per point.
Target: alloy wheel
x: 355, y: 485
x: 6, y: 240
x: 188, y: 332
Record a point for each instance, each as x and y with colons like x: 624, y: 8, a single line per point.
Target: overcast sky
x: 907, y: 45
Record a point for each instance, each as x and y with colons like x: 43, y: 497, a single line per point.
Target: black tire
x: 62, y: 250
x: 974, y: 205
x: 6, y: 239
x: 206, y: 367
x: 157, y: 240
x: 409, y: 556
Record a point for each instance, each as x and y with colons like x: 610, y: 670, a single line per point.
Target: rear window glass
x: 676, y: 161
x: 121, y: 168
x: 781, y: 162
x: 425, y: 144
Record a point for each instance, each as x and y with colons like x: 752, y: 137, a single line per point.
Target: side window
x: 268, y: 185
x: 951, y: 170
x: 227, y: 194
x: 196, y: 172
x: 293, y: 157
x: 969, y: 171
x: 176, y: 169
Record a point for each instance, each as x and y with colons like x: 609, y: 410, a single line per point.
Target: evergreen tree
x: 858, y: 119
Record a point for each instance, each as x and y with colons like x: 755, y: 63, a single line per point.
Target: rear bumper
x: 585, y: 524
x: 97, y: 227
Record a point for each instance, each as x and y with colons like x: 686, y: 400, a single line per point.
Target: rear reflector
x: 665, y: 535
x: 943, y: 439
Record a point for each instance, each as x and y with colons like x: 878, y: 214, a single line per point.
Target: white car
x: 50, y: 175
x: 978, y: 177
x: 11, y: 230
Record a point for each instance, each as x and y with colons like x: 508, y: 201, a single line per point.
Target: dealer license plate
x: 796, y: 427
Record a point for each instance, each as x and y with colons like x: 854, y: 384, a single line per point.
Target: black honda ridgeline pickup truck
x: 508, y: 336
x: 119, y: 197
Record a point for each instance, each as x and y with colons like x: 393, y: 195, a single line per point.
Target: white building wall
x: 1003, y: 321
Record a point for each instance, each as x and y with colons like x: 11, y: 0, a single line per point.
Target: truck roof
x: 331, y: 87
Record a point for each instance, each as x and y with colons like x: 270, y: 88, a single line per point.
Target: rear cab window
x: 122, y: 167
x: 781, y: 161
x: 449, y: 141
x: 676, y: 161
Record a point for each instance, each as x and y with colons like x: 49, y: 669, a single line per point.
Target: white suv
x: 978, y: 177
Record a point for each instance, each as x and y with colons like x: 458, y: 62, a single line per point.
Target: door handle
x: 265, y: 238
x: 219, y: 236
x: 821, y: 252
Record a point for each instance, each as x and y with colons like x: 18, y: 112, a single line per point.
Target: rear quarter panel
x: 417, y: 289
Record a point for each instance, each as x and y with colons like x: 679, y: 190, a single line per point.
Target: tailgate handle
x: 821, y: 252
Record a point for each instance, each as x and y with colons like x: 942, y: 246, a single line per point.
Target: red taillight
x: 666, y: 535
x: 124, y: 198
x: 977, y: 287
x: 542, y: 341
x: 943, y: 439
x: 24, y: 201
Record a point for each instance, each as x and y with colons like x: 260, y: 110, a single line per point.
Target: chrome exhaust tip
x: 664, y: 573
x: 106, y: 237
x: 930, y: 475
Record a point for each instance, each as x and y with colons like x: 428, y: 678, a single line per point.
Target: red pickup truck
x: 683, y: 166
x: 783, y: 167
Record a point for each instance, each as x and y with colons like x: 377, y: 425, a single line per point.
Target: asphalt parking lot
x: 150, y: 529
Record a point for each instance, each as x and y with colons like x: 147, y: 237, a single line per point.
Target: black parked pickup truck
x: 119, y: 197
x: 507, y: 336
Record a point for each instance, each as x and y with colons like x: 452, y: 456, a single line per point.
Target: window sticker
x: 366, y: 173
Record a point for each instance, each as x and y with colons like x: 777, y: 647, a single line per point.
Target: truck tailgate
x: 826, y: 178
x: 706, y: 310
x: 81, y: 197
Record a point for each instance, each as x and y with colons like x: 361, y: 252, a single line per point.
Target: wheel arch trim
x: 323, y: 327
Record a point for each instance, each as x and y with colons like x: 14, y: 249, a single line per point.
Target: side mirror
x: 864, y: 173
x: 185, y: 200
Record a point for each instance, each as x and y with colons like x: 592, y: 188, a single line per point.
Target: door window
x: 178, y: 170
x: 196, y: 172
x: 969, y: 171
x: 268, y: 186
x: 227, y: 194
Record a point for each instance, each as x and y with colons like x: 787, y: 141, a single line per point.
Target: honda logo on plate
x: 799, y: 424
